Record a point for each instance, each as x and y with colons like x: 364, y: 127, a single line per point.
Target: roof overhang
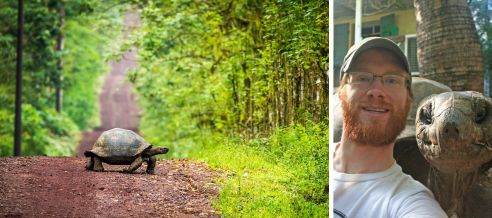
x: 346, y: 8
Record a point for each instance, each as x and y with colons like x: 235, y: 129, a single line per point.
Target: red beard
x: 374, y: 134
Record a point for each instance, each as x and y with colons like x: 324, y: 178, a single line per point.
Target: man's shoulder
x: 416, y: 204
x: 391, y: 193
x: 413, y: 199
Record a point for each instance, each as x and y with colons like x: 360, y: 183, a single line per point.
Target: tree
x: 239, y: 67
x: 59, y: 63
x: 448, y: 47
x: 90, y: 26
x: 482, y: 17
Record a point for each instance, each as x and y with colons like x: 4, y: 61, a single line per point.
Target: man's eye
x: 392, y: 81
x: 363, y: 79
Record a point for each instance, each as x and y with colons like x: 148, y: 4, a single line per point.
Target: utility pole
x: 18, y: 82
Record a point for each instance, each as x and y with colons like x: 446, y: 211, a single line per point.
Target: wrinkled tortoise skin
x: 454, y: 134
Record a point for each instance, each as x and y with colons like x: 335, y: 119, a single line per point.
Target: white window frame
x: 408, y: 36
x: 372, y: 25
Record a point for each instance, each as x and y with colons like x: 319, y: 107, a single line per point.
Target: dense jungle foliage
x: 87, y: 30
x: 241, y: 68
x: 241, y: 84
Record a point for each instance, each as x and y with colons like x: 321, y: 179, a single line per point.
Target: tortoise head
x: 157, y: 150
x: 162, y: 150
x: 454, y: 131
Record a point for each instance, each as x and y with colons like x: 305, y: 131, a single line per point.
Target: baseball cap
x: 373, y: 42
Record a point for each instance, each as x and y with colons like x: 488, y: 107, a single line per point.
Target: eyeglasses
x: 366, y: 79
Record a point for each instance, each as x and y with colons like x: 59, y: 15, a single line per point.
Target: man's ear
x: 340, y: 92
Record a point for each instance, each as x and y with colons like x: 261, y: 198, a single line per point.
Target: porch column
x: 358, y: 21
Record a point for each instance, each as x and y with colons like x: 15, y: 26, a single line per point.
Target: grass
x: 280, y: 176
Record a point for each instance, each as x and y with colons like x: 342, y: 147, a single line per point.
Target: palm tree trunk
x: 448, y: 47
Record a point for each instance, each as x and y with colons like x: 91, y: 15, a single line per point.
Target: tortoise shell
x: 119, y: 143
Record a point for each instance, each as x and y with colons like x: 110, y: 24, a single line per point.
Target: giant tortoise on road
x: 122, y: 147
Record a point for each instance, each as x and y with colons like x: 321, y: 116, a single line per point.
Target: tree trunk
x: 59, y: 64
x: 247, y: 106
x: 235, y: 97
x: 448, y: 48
x: 18, y: 82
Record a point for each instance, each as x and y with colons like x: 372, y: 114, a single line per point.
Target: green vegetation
x: 240, y: 68
x: 87, y: 42
x: 280, y: 176
x: 483, y: 16
x: 87, y: 33
x: 241, y: 85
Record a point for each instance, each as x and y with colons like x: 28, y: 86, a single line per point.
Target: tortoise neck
x: 450, y: 189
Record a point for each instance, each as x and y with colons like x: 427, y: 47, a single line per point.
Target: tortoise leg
x: 98, y: 167
x: 90, y: 164
x: 135, y: 165
x: 151, y: 165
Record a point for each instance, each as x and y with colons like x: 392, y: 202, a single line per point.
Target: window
x: 411, y: 52
x: 371, y: 29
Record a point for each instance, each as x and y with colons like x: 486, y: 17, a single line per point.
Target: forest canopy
x: 87, y: 30
x: 242, y: 68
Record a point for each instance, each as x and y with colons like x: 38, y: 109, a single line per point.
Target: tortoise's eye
x: 481, y: 110
x: 426, y: 114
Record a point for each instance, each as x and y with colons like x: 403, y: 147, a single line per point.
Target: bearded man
x: 376, y: 96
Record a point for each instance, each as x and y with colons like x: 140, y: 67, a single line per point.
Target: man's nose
x: 376, y: 89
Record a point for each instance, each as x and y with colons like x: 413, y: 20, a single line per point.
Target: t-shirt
x: 389, y: 193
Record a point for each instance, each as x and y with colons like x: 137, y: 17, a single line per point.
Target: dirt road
x: 61, y: 187
x: 117, y: 103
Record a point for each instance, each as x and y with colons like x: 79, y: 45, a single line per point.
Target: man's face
x: 375, y: 114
